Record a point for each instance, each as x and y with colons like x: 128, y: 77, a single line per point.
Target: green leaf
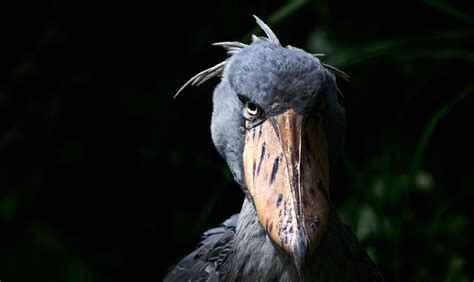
x: 449, y: 10
x: 367, y: 224
x: 433, y: 122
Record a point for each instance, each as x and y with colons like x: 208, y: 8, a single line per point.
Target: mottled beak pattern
x: 286, y: 171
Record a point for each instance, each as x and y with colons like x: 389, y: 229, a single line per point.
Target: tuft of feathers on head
x: 233, y: 47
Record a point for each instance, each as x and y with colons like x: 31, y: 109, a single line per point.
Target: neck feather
x: 338, y: 257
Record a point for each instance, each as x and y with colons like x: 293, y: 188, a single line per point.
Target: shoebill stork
x: 278, y: 122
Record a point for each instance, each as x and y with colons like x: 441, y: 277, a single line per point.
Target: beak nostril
x: 300, y: 253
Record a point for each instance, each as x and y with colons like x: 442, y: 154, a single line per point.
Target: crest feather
x: 270, y: 34
x: 234, y: 47
x: 204, y: 76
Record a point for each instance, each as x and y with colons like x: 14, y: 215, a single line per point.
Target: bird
x: 279, y: 122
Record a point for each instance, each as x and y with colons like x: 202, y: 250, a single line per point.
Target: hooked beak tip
x: 300, y: 253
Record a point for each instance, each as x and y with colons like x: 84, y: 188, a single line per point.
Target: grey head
x: 278, y: 122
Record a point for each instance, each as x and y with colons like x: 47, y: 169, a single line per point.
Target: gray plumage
x: 276, y: 78
x: 204, y: 264
x: 240, y: 250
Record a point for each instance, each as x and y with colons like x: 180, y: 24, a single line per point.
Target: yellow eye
x: 252, y: 109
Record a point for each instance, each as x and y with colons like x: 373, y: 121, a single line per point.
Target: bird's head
x: 279, y: 124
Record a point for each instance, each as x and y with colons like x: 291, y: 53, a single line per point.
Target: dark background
x: 104, y: 177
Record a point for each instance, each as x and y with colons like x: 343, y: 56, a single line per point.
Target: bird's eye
x: 252, y: 109
x: 252, y: 114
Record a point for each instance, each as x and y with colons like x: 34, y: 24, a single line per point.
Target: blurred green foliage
x: 95, y: 172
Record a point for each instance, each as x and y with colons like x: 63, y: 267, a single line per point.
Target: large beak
x: 287, y: 174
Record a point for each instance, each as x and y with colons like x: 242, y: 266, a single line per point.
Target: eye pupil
x: 251, y: 108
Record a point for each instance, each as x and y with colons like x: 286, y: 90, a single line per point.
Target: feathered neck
x: 338, y: 257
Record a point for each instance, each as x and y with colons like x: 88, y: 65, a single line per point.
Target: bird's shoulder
x: 204, y: 263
